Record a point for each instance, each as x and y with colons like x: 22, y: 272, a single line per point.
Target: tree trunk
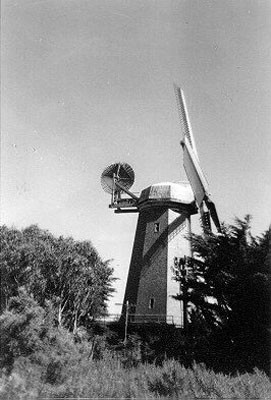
x: 75, y: 323
x: 60, y: 315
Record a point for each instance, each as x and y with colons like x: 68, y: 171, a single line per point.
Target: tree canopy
x: 68, y: 274
x: 228, y: 293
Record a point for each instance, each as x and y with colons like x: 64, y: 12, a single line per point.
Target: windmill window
x: 151, y: 303
x: 156, y: 227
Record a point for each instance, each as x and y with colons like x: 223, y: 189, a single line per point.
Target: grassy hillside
x: 108, y: 378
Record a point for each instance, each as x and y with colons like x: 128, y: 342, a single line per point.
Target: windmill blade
x: 211, y: 207
x: 194, y: 172
x: 184, y: 118
x: 192, y: 166
x: 199, y: 185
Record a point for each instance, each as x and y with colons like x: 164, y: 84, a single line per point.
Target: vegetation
x: 53, y: 290
x: 228, y: 291
x: 68, y: 275
x: 107, y: 378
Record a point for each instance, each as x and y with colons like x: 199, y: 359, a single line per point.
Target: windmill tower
x: 163, y: 228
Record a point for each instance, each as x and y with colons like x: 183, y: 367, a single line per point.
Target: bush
x: 107, y: 378
x: 22, y: 329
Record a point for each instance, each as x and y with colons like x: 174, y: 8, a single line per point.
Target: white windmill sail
x: 184, y: 118
x: 192, y: 166
x: 194, y: 172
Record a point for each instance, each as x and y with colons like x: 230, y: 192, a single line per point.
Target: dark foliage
x: 229, y: 290
x: 54, y: 288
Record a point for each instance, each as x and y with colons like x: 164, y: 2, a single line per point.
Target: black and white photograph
x: 135, y: 229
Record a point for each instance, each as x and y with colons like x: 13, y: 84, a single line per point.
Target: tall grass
x: 108, y: 378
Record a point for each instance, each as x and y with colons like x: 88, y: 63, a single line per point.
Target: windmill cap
x: 168, y: 192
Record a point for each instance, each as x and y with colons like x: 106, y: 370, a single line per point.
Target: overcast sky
x: 87, y: 83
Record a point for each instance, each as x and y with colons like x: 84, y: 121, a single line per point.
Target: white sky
x: 88, y: 83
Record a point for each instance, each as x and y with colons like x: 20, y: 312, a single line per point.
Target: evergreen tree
x: 228, y: 294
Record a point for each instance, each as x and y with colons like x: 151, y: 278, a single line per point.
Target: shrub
x: 107, y: 378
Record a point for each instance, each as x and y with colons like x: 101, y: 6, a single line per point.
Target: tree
x: 229, y: 290
x: 68, y: 273
x: 13, y: 268
x: 29, y: 338
x: 22, y: 328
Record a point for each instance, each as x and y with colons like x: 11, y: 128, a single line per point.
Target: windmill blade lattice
x: 191, y: 164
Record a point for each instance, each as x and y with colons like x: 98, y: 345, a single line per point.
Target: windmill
x: 163, y: 228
